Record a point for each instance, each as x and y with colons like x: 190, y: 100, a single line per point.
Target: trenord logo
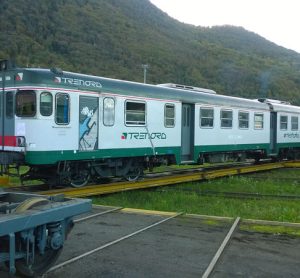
x: 143, y: 136
x: 78, y: 82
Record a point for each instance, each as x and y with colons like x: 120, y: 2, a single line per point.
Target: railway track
x: 149, y: 175
x: 95, y: 190
x: 162, y: 179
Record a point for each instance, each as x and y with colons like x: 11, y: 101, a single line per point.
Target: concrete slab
x: 180, y: 247
x: 260, y: 255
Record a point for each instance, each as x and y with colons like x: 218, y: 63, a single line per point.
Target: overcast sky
x: 275, y: 20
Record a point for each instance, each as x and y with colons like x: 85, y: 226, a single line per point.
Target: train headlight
x: 20, y: 141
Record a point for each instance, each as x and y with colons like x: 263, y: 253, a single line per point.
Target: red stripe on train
x: 9, y: 141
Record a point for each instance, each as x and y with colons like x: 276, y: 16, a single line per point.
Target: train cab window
x: 169, y: 115
x: 258, y: 121
x: 46, y: 104
x: 135, y: 113
x: 206, y: 117
x: 243, y: 120
x: 226, y: 118
x: 108, y: 111
x: 9, y: 105
x: 283, y: 122
x: 25, y: 104
x: 295, y: 123
x: 62, y: 111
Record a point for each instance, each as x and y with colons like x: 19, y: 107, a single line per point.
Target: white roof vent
x: 188, y: 88
x: 273, y: 101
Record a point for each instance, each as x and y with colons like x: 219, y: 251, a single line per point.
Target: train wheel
x: 80, y: 175
x: 134, y: 174
x: 80, y: 179
x: 42, y: 262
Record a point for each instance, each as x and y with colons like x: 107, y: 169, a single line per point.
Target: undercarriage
x: 80, y: 173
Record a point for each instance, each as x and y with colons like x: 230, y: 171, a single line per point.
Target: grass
x: 14, y: 180
x: 278, y: 230
x: 187, y: 198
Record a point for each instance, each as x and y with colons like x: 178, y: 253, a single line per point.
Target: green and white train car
x: 284, y: 129
x: 69, y: 127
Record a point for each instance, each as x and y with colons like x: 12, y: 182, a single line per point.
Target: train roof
x: 280, y: 106
x: 55, y: 78
x: 286, y: 108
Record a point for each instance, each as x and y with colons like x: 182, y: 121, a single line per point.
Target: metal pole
x: 145, y: 67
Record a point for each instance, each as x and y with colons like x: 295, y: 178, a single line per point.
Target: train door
x: 2, y: 120
x: 88, y: 123
x: 187, y: 132
x: 273, y: 132
x: 7, y: 121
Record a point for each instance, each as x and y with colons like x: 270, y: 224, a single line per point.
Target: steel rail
x: 74, y: 259
x: 95, y: 190
x: 218, y: 254
x: 292, y: 164
x: 96, y: 214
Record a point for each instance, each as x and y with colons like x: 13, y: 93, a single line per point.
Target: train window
x: 206, y: 117
x: 243, y: 120
x: 62, y: 113
x: 46, y: 104
x: 135, y: 113
x: 108, y: 111
x: 283, y: 122
x: 295, y: 123
x: 9, y: 105
x: 258, y: 121
x: 226, y: 118
x: 25, y: 104
x: 169, y: 115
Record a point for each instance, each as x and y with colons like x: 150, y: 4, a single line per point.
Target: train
x: 71, y: 128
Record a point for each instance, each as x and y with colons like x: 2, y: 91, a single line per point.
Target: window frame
x: 243, y: 120
x: 9, y: 113
x: 135, y: 123
x: 33, y: 114
x: 222, y: 118
x: 106, y: 111
x: 297, y: 122
x: 171, y: 105
x: 46, y: 92
x: 209, y: 118
x: 57, y: 95
x: 281, y: 122
x: 262, y: 121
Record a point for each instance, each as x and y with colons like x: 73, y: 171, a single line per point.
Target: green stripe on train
x: 227, y: 148
x: 52, y: 157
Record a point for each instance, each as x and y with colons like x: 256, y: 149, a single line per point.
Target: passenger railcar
x: 69, y: 127
x: 284, y: 129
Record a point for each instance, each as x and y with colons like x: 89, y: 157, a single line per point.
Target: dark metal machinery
x: 33, y: 229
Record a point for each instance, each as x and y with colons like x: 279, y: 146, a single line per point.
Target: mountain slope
x: 114, y: 38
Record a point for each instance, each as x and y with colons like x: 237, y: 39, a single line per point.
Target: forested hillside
x: 114, y: 38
